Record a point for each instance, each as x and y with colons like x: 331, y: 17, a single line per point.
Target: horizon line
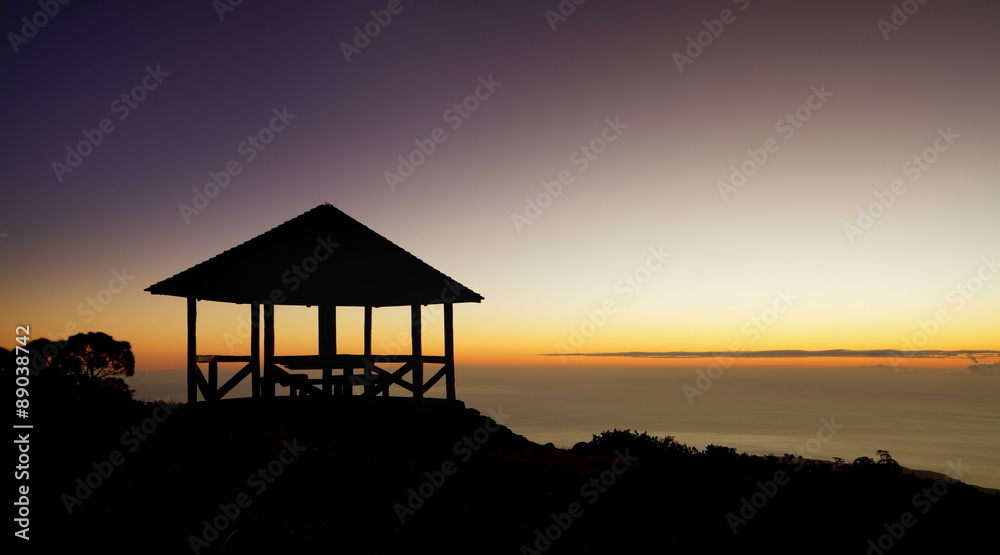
x: 793, y: 353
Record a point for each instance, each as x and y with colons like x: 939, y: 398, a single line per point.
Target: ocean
x: 934, y: 419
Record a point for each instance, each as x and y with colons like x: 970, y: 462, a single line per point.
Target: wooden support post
x: 418, y: 356
x: 345, y: 388
x: 213, y: 381
x: 368, y: 346
x: 327, y: 329
x: 255, y: 348
x: 268, y: 381
x: 328, y: 381
x: 192, y: 349
x: 449, y: 351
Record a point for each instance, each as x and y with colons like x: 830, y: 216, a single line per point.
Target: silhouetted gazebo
x: 323, y: 258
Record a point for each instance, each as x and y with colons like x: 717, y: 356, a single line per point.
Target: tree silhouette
x: 641, y: 444
x: 95, y: 356
x: 886, y: 460
x: 85, y: 366
x: 721, y: 451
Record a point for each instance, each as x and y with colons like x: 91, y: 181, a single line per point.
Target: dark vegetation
x: 460, y: 483
x: 86, y: 369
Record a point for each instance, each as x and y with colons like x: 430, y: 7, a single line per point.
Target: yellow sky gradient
x: 487, y: 334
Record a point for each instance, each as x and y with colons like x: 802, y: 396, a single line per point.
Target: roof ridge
x: 395, y: 277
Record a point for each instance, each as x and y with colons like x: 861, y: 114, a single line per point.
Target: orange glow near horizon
x: 174, y: 358
x: 502, y: 332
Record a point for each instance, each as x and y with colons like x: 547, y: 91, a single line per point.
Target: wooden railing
x: 209, y: 387
x: 337, y: 376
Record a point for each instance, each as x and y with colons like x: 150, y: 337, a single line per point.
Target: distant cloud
x: 791, y: 353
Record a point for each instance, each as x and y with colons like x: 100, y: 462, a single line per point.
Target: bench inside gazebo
x: 322, y: 258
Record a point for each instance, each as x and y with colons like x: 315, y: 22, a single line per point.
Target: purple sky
x: 655, y: 180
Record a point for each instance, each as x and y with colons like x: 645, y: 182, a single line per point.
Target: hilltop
x: 309, y: 475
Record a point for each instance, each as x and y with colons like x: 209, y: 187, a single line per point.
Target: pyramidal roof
x: 321, y: 257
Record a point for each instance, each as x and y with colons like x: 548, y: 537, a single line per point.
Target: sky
x: 611, y: 176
